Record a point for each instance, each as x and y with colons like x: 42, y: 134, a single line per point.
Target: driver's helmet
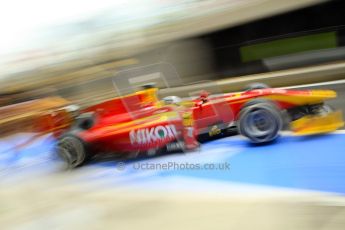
x: 172, y: 100
x: 73, y: 110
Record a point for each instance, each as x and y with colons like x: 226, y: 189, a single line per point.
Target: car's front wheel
x: 260, y: 122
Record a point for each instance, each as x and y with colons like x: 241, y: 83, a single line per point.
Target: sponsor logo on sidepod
x: 154, y: 134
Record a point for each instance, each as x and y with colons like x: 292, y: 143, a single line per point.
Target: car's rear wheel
x: 260, y: 122
x: 72, y: 150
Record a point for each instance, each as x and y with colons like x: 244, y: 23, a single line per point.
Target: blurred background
x: 88, y: 51
x: 76, y: 49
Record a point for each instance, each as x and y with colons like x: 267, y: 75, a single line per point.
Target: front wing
x: 317, y: 124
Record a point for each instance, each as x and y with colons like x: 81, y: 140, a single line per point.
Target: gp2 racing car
x: 140, y: 123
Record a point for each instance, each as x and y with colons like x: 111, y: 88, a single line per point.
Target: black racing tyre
x: 260, y: 122
x: 254, y: 86
x: 72, y: 150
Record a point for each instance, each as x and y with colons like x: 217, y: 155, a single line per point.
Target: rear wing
x: 127, y: 103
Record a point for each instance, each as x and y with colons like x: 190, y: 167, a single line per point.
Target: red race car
x: 140, y: 123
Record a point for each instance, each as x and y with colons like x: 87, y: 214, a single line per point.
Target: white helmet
x: 172, y: 100
x: 74, y: 110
